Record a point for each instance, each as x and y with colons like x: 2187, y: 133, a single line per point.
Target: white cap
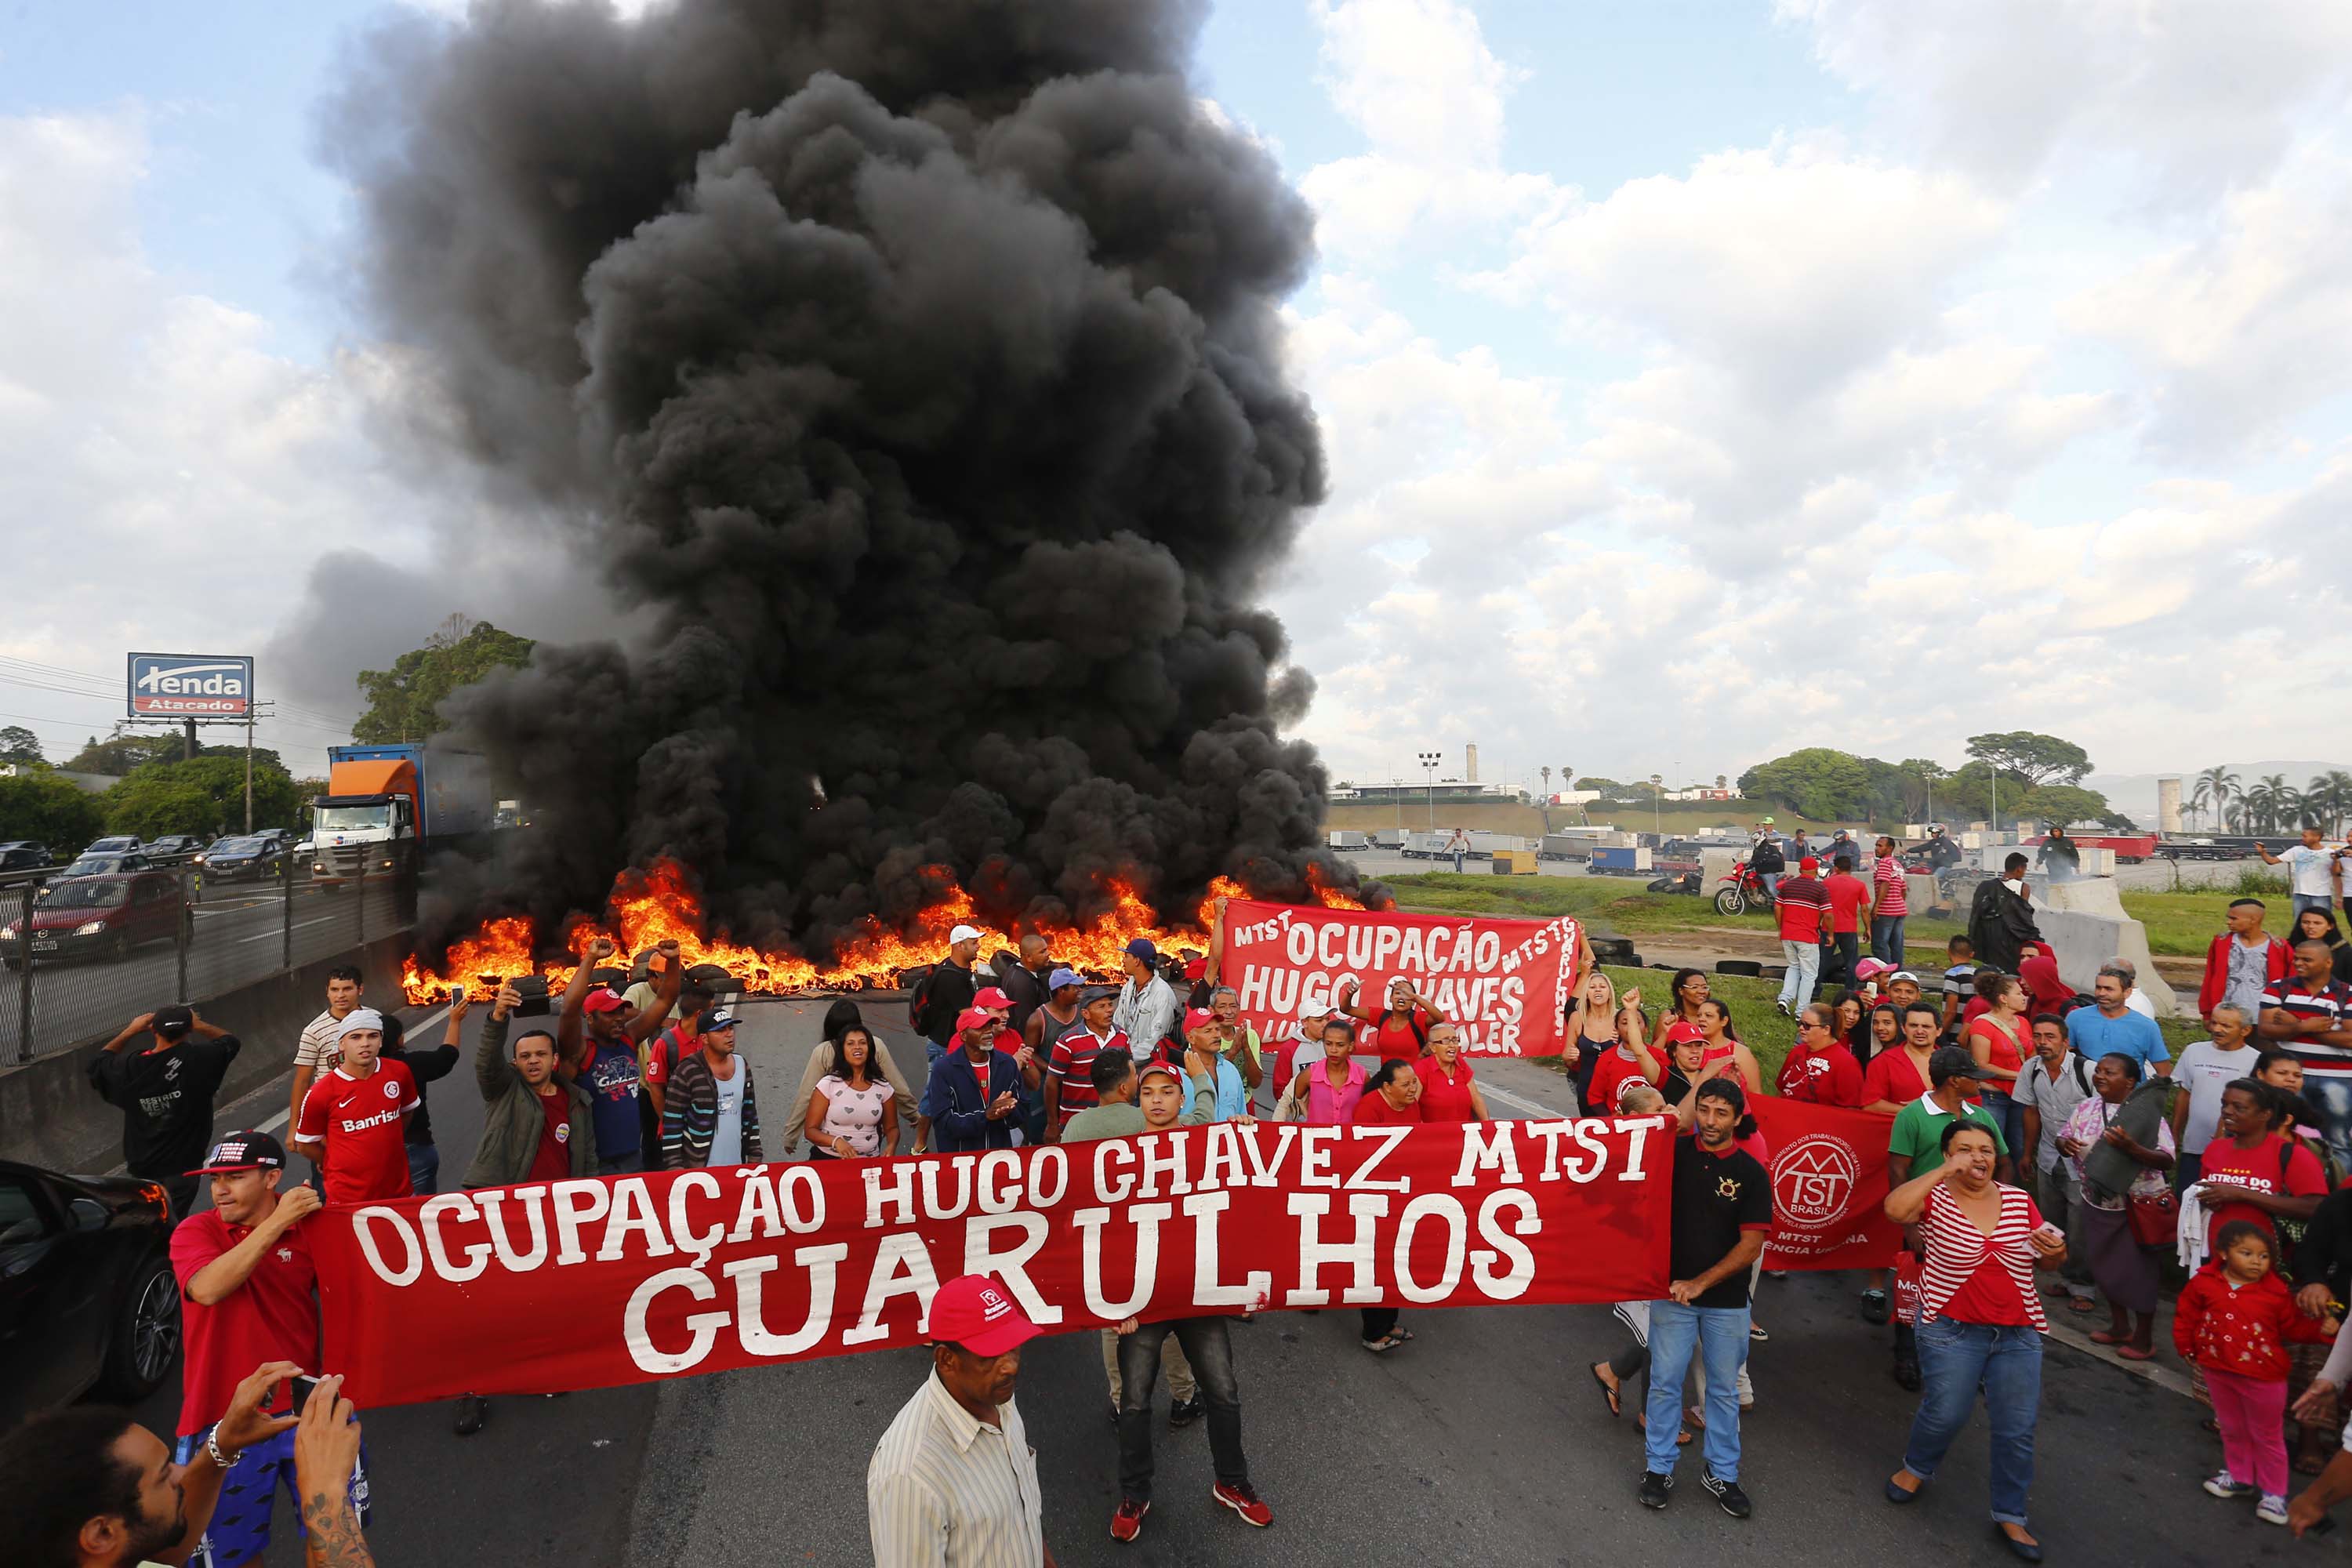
x: 963, y: 933
x: 360, y: 1019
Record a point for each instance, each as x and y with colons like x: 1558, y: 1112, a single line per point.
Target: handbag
x: 2155, y: 1218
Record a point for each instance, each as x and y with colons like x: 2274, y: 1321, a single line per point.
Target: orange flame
x: 647, y: 907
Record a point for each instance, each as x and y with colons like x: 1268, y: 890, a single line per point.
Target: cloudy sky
x: 1699, y: 381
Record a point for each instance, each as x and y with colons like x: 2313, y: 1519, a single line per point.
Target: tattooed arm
x: 326, y: 1447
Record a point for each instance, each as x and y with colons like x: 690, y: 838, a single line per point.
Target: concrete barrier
x: 2085, y: 923
x: 50, y: 1116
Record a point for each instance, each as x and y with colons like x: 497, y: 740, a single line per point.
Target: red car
x: 107, y: 916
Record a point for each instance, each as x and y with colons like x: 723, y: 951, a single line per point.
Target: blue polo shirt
x: 2134, y: 1034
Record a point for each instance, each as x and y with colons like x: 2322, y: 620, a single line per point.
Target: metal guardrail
x: 188, y: 939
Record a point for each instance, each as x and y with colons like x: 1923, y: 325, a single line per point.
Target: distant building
x: 95, y: 783
x: 1461, y: 791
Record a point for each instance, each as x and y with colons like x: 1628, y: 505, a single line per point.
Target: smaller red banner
x: 1829, y: 1185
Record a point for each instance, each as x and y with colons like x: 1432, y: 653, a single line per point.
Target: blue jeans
x: 2012, y: 1116
x: 2310, y: 901
x: 1886, y: 939
x: 2330, y: 1096
x: 1771, y: 880
x: 1805, y: 967
x: 1719, y: 1336
x: 1955, y: 1361
x: 1457, y: 862
x: 423, y: 1170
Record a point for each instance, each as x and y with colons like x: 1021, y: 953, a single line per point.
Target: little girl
x: 2234, y: 1321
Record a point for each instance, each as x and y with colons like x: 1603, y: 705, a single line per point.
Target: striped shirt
x: 1071, y: 1064
x: 1886, y: 876
x: 946, y: 1490
x: 2299, y: 1001
x: 317, y: 1049
x: 1953, y: 1249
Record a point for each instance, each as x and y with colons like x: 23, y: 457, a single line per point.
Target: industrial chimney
x: 1470, y: 763
x: 2167, y: 805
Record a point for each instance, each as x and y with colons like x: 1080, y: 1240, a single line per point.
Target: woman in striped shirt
x: 1980, y: 1320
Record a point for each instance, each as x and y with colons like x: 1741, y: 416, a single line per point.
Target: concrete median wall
x: 50, y: 1116
x: 2085, y: 923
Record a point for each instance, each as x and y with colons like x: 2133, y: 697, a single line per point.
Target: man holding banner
x: 1722, y: 1213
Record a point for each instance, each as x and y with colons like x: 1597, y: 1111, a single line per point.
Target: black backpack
x: 918, y: 995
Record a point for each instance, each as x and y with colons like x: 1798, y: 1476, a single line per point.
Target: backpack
x: 919, y: 995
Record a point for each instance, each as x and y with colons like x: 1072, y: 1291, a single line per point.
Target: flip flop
x: 2310, y: 1464
x: 2133, y: 1352
x: 1695, y: 1417
x: 2108, y: 1337
x: 2083, y: 1305
x: 1606, y: 1391
x: 1681, y: 1437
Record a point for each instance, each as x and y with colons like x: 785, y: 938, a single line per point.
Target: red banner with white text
x: 1505, y: 983
x: 595, y: 1282
x: 1829, y: 1185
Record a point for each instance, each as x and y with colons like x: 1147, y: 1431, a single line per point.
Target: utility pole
x: 248, y: 767
x: 1657, y: 805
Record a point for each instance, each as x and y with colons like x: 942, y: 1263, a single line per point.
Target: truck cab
x: 381, y: 802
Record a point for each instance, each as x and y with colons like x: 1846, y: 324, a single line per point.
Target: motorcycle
x: 1745, y: 891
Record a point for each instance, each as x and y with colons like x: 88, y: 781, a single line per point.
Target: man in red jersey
x: 249, y: 1297
x: 354, y: 1120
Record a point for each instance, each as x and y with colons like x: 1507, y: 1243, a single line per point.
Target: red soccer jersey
x: 358, y: 1119
x: 2276, y: 1165
x: 1444, y: 1099
x: 271, y: 1317
x: 1804, y: 907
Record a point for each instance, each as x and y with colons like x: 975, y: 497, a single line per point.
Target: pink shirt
x: 1331, y: 1107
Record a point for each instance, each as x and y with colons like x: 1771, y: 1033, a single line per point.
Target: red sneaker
x: 1127, y: 1523
x: 1243, y: 1499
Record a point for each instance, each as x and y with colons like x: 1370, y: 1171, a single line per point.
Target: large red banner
x: 1506, y: 983
x: 1829, y: 1185
x: 594, y: 1282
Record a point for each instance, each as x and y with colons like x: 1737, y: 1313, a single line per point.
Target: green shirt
x: 1122, y: 1121
x: 1919, y: 1132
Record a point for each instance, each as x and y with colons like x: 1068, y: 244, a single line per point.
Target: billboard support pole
x: 188, y: 749
x: 248, y: 768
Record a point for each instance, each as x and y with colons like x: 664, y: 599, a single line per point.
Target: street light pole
x: 1429, y: 763
x: 1657, y: 805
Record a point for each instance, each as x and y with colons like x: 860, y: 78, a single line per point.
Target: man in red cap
x: 249, y: 1297
x: 1804, y: 912
x: 953, y: 1482
x: 973, y: 1098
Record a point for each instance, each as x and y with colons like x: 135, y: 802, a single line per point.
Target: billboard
x: 191, y: 686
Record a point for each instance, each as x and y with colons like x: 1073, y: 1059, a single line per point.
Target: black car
x: 171, y: 846
x: 93, y: 864
x: 87, y: 1297
x: 23, y: 855
x: 234, y: 859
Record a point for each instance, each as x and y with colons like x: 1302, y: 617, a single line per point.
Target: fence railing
x: 81, y: 958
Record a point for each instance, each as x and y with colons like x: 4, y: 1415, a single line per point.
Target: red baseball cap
x: 1684, y: 1031
x: 990, y: 999
x: 976, y: 1312
x: 1197, y: 968
x: 974, y: 1018
x: 603, y: 999
x: 1198, y: 1018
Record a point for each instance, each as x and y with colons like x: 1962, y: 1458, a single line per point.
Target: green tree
x: 404, y: 702
x: 18, y: 744
x: 205, y: 795
x: 39, y: 805
x: 124, y: 751
x: 1816, y: 782
x: 2217, y: 788
x: 2061, y: 804
x: 1606, y: 787
x: 2035, y: 759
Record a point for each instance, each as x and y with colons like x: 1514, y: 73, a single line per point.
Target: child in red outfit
x: 2234, y: 1319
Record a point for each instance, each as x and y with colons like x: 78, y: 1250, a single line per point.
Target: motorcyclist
x: 1765, y: 858
x: 1940, y: 850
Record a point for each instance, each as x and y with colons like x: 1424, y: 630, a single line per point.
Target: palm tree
x: 1547, y: 778
x: 2266, y: 802
x: 2333, y: 790
x: 2214, y: 792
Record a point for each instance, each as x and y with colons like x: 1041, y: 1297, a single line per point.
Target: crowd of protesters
x: 2032, y: 1129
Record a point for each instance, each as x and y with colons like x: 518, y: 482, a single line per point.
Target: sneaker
x: 2222, y: 1484
x: 1127, y: 1523
x: 2271, y: 1509
x: 1184, y: 1412
x: 1782, y: 1003
x: 1654, y: 1489
x: 1243, y: 1499
x: 1874, y: 1306
x: 1727, y: 1494
x: 473, y: 1410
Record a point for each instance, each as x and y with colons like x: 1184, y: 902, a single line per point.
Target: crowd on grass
x: 2047, y: 1154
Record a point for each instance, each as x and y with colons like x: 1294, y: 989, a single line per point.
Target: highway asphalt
x: 1483, y: 1441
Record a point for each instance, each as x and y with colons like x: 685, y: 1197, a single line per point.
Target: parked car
x: 171, y: 846
x: 25, y: 854
x: 121, y: 844
x: 104, y: 915
x: 234, y: 859
x: 87, y: 1298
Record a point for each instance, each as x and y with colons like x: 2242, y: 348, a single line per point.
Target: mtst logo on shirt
x: 1813, y: 1179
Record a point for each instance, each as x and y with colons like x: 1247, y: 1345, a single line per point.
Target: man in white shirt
x: 2134, y: 998
x: 2316, y: 877
x: 953, y: 1483
x: 2053, y: 1083
x: 2208, y: 1067
x: 1146, y: 1012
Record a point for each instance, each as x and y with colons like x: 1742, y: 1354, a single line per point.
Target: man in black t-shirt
x: 1722, y: 1213
x: 166, y: 1093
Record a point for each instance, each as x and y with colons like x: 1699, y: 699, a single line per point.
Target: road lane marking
x: 1495, y: 1091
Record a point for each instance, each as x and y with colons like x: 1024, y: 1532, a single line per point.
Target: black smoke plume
x: 917, y: 363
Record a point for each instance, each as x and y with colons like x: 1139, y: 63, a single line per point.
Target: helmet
x: 1933, y: 828
x: 1768, y: 822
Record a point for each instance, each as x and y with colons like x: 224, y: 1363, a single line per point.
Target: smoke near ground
x: 915, y: 365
